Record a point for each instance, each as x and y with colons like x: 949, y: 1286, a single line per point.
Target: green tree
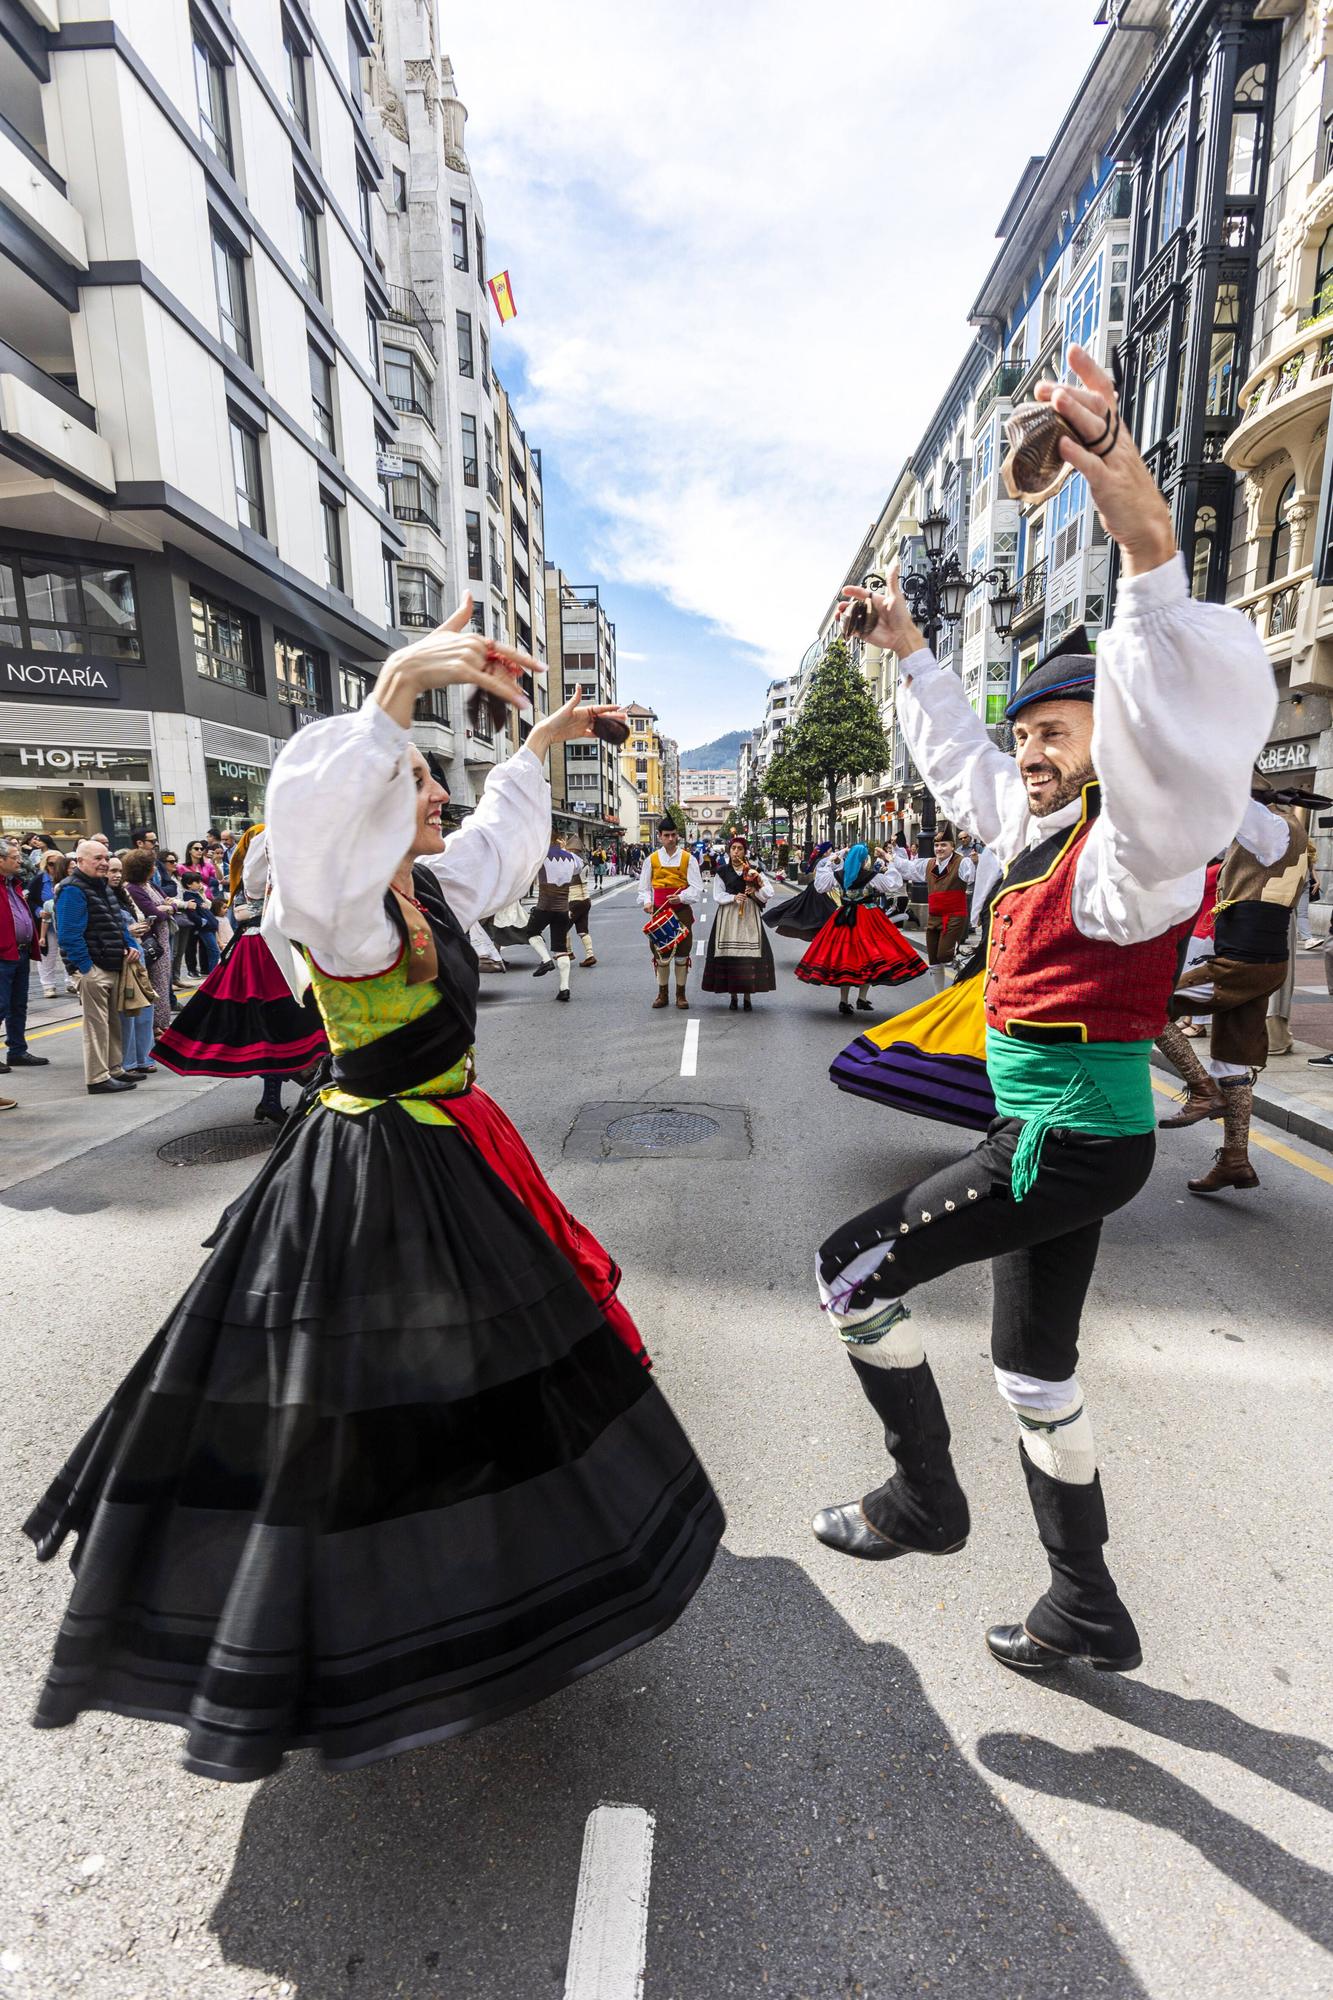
x: 751, y: 807
x: 784, y: 787
x: 840, y: 734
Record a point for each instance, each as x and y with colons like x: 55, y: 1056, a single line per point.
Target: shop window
x: 224, y: 643
x: 1279, y: 542
x: 353, y: 687
x: 50, y: 605
x: 302, y: 674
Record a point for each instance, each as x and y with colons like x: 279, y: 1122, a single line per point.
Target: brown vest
x: 1254, y: 902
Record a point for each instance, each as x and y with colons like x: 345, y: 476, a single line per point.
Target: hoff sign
x: 59, y: 763
x: 95, y: 680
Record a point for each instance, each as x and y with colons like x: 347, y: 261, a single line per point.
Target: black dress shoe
x: 547, y: 965
x: 109, y: 1086
x: 1013, y: 1646
x: 263, y: 1116
x: 563, y: 994
x: 865, y: 1006
x: 29, y: 1061
x: 847, y: 1530
x: 844, y: 1007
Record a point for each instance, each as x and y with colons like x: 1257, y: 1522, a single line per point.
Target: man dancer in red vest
x: 1103, y: 822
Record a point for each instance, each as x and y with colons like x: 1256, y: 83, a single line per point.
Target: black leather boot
x: 921, y: 1510
x: 1080, y: 1617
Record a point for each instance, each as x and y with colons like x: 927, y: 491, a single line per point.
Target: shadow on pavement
x: 818, y: 1834
x: 1121, y: 1781
x: 1293, y: 1762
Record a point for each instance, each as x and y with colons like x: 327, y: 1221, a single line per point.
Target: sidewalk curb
x: 1285, y: 1109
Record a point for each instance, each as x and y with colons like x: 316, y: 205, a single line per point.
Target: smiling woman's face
x: 431, y: 801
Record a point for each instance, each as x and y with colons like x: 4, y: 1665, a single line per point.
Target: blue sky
x: 743, y: 242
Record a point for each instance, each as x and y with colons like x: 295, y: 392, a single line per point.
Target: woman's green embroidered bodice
x: 357, y: 1012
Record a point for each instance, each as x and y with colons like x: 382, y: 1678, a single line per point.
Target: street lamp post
x: 938, y: 594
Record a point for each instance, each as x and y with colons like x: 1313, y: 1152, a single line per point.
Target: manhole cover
x: 217, y: 1143
x: 651, y: 1130
x: 661, y: 1131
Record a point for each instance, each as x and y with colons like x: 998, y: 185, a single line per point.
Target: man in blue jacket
x: 94, y: 943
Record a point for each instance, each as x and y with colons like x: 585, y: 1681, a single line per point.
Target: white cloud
x: 743, y: 243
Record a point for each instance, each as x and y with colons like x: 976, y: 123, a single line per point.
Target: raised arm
x: 1185, y: 699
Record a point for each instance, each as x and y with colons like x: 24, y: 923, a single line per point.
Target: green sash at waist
x: 1102, y: 1088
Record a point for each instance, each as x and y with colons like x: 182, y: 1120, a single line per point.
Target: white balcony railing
x: 1274, y: 610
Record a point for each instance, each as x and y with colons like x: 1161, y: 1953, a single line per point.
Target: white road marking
x: 689, y: 1055
x: 608, y: 1941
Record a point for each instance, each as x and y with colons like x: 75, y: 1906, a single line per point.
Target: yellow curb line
x: 39, y: 1034
x: 1289, y: 1153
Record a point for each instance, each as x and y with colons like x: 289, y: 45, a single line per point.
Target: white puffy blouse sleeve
x: 341, y: 814
x: 889, y: 881
x: 972, y: 779
x: 825, y: 875
x: 1185, y: 700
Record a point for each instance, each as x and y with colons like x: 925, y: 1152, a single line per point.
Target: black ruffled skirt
x: 802, y: 916
x: 386, y: 1473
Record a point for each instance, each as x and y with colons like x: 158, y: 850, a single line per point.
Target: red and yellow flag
x: 502, y: 292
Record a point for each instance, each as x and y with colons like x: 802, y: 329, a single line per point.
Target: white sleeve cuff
x: 380, y: 726
x: 919, y: 663
x: 1160, y: 589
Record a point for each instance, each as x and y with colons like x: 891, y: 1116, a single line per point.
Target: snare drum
x: 664, y: 932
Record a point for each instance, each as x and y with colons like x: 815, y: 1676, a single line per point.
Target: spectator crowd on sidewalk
x: 124, y: 932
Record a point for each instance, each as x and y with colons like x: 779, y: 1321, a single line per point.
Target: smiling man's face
x: 1053, y: 749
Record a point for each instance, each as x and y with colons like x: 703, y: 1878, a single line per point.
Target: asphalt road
x: 850, y: 1797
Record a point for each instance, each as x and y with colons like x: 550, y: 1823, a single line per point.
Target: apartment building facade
x: 582, y: 650
x: 195, y: 551
x: 642, y: 765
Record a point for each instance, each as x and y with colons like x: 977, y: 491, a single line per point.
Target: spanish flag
x: 502, y: 293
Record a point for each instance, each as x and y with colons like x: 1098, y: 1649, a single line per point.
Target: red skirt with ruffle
x: 243, y: 1020
x: 500, y: 1144
x: 858, y: 946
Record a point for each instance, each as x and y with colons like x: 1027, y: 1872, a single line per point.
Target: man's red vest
x: 1045, y: 981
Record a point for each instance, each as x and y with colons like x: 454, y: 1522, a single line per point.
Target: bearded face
x: 1053, y: 749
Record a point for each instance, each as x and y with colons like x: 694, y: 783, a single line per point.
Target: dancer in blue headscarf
x: 858, y: 946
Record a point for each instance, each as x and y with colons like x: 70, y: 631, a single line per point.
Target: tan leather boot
x: 1229, y: 1170
x: 1202, y: 1100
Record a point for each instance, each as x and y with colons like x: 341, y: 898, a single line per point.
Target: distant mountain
x: 719, y: 755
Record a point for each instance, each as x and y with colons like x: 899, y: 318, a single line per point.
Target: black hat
x: 665, y: 825
x: 1066, y: 673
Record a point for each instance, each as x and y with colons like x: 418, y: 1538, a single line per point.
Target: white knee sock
x: 1055, y: 1429
x: 562, y: 965
x: 539, y: 945
x: 880, y: 1335
x: 586, y: 941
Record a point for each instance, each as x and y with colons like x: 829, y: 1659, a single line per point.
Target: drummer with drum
x: 669, y: 886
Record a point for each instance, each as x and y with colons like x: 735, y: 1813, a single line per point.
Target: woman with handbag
x: 155, y: 910
x: 243, y: 1020
x: 134, y: 1005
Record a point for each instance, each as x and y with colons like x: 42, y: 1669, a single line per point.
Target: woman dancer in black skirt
x: 394, y: 1466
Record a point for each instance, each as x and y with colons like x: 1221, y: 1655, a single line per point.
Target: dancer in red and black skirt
x: 858, y: 946
x: 243, y: 1020
x: 393, y: 1467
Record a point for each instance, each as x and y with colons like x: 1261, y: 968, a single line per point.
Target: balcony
x: 1031, y: 606
x: 1286, y: 398
x: 33, y: 191
x: 999, y: 387
x: 1112, y: 205
x: 1275, y: 610
x: 493, y: 488
x: 406, y: 309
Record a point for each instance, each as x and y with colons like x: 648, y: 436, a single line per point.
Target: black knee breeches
x: 1042, y: 1249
